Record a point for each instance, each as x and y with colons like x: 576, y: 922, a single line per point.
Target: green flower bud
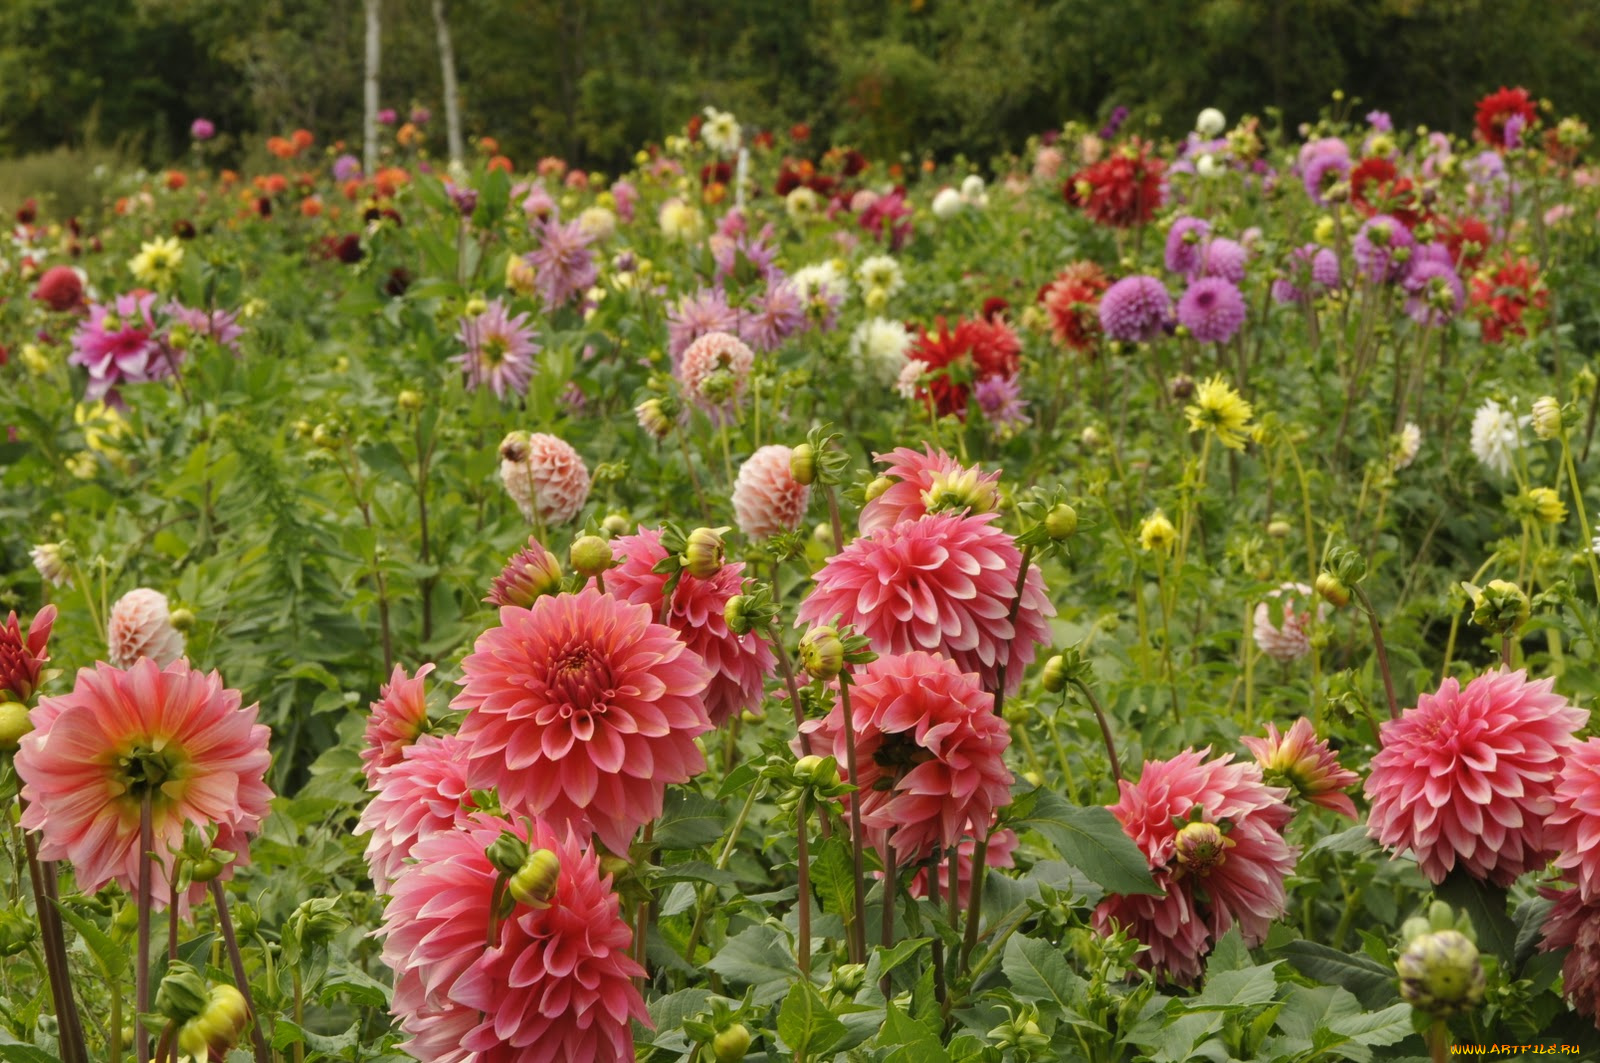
x: 1500, y: 608
x: 409, y: 401
x: 206, y: 870
x: 1201, y: 848
x: 13, y: 724
x: 1061, y: 522
x: 1440, y: 974
x: 507, y: 853
x: 1330, y: 589
x: 182, y: 994
x: 614, y: 525
x: 183, y: 619
x: 735, y: 616
x: 731, y: 1043
x: 1547, y: 417
x: 803, y: 464
x: 590, y: 555
x: 821, y: 652
x: 534, y: 883
x: 847, y: 977
x: 878, y: 487
x: 1279, y: 529
x: 703, y: 555
x: 1054, y: 675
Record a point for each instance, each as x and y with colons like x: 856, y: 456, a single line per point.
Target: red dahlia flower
x: 1122, y: 191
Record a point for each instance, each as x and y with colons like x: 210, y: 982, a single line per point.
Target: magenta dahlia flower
x: 1573, y: 829
x: 1302, y: 762
x: 553, y: 985
x: 1212, y: 831
x: 773, y: 316
x: 739, y: 664
x: 398, y: 716
x: 499, y: 351
x: 916, y: 475
x: 942, y: 583
x: 424, y: 792
x: 1135, y: 309
x: 22, y: 657
x: 1375, y: 245
x: 1574, y: 924
x: 121, y: 343
x: 581, y: 710
x: 1467, y: 777
x: 175, y: 735
x: 700, y: 314
x: 767, y: 500
x: 930, y: 752
x: 1212, y: 309
x: 563, y: 266
x: 141, y: 626
x: 1185, y: 242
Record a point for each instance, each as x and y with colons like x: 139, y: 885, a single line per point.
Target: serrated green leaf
x: 26, y: 1054
x: 805, y: 1023
x: 1371, y: 984
x: 757, y: 956
x: 1039, y: 973
x: 1091, y: 840
x: 689, y: 820
x: 833, y: 877
x: 112, y: 959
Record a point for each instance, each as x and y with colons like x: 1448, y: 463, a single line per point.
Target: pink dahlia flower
x: 767, y: 500
x: 397, y: 718
x: 554, y: 983
x: 1574, y: 924
x: 120, y: 344
x: 22, y: 657
x: 1176, y: 814
x: 421, y: 794
x: 175, y: 735
x: 714, y: 370
x: 563, y: 266
x: 942, y: 583
x: 916, y: 475
x: 221, y: 326
x: 141, y: 626
x: 1573, y: 829
x: 1300, y: 761
x: 930, y: 752
x: 529, y: 574
x: 1467, y: 777
x: 1290, y: 638
x: 544, y: 475
x: 739, y: 664
x: 499, y: 353
x: 581, y: 710
x: 700, y: 314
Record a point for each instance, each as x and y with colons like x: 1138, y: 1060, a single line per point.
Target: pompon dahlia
x: 1467, y: 777
x: 1122, y: 191
x: 1574, y: 924
x: 1301, y: 761
x: 1073, y: 300
x: 1185, y: 245
x: 930, y: 752
x: 1288, y: 639
x: 1381, y: 248
x: 581, y: 710
x: 61, y: 289
x: 529, y: 574
x: 975, y: 350
x: 555, y: 985
x: 942, y: 583
x: 739, y: 664
x: 1212, y: 309
x: 767, y: 500
x: 1176, y: 814
x: 918, y: 475
x: 141, y: 626
x: 544, y: 475
x: 424, y: 792
x: 1000, y: 853
x: 175, y: 735
x: 22, y: 657
x: 1573, y: 829
x: 1135, y: 309
x: 714, y: 370
x: 398, y: 716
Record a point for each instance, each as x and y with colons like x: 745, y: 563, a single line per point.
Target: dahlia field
x: 1122, y: 601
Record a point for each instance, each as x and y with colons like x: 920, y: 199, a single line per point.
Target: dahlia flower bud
x: 961, y: 490
x: 13, y: 725
x: 1440, y: 974
x: 653, y: 418
x: 507, y: 853
x: 183, y: 620
x: 534, y: 883
x: 182, y: 994
x: 514, y: 447
x: 822, y: 653
x: 409, y: 400
x: 803, y: 464
x: 1054, y: 675
x: 1061, y: 522
x: 531, y: 573
x: 218, y: 1027
x: 1546, y: 417
x: 1279, y: 529
x: 812, y: 770
x: 731, y: 1043
x: 1546, y: 506
x: 590, y: 555
x: 1201, y: 848
x: 327, y: 437
x: 615, y: 524
x: 1332, y: 590
x: 1091, y: 438
x: 736, y: 616
x: 1500, y: 608
x: 878, y: 487
x: 703, y: 554
x: 847, y: 977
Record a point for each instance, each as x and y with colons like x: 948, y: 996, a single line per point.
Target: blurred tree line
x: 591, y: 80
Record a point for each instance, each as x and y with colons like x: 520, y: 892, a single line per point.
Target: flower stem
x: 141, y: 971
x: 980, y: 862
x: 891, y: 892
x: 858, y: 931
x: 1011, y: 618
x: 231, y: 941
x: 1379, y: 650
x: 1105, y: 728
x: 804, y: 857
x: 1585, y: 531
x: 42, y: 876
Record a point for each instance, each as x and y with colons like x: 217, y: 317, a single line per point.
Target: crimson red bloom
x: 975, y: 351
x: 1467, y: 238
x: 61, y: 289
x: 1073, y: 303
x: 1121, y: 191
x: 1497, y: 108
x: 22, y: 659
x: 1376, y: 187
x: 1502, y: 297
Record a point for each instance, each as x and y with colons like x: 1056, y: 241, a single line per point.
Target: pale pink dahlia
x: 555, y: 985
x: 942, y: 583
x: 581, y: 710
x: 767, y: 500
x: 563, y: 265
x: 930, y: 752
x: 424, y: 792
x: 397, y: 718
x: 544, y: 475
x: 915, y: 475
x: 1212, y: 831
x: 1302, y: 762
x: 1290, y: 638
x: 175, y: 735
x: 1573, y: 829
x: 141, y: 626
x: 1467, y: 777
x: 739, y: 664
x: 714, y: 369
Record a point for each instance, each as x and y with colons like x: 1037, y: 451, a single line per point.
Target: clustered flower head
x: 544, y: 475
x: 141, y: 626
x: 1122, y: 191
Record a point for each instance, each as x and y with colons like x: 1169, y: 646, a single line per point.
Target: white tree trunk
x: 369, y: 120
x: 447, y: 74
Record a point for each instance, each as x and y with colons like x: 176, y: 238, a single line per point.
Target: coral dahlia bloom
x: 943, y: 583
x: 1213, y: 880
x: 545, y: 476
x: 1072, y: 301
x: 580, y: 710
x: 917, y: 475
x: 22, y: 657
x: 1301, y: 761
x: 1467, y: 777
x: 397, y: 718
x: 141, y: 626
x: 529, y: 573
x: 175, y: 735
x: 1500, y: 297
x: 714, y: 369
x: 930, y: 752
x: 554, y: 985
x: 767, y: 500
x: 739, y: 664
x: 1573, y: 828
x: 1574, y: 924
x: 422, y: 793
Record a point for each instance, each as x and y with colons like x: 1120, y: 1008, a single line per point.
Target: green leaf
x: 913, y: 1041
x: 1228, y: 954
x: 805, y: 1023
x: 26, y: 1054
x: 833, y: 877
x: 689, y: 820
x: 1376, y: 1028
x: 1039, y: 973
x: 1233, y: 990
x: 1091, y: 840
x: 757, y: 956
x: 362, y: 989
x: 741, y: 778
x: 1352, y: 840
x: 113, y: 960
x: 1485, y: 905
x: 1373, y: 985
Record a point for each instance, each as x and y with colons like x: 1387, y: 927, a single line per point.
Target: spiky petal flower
x: 1467, y: 777
x: 52, y: 563
x: 916, y: 475
x: 581, y: 710
x: 942, y: 583
x: 697, y: 315
x: 141, y: 626
x: 1236, y: 884
x: 22, y: 657
x: 1574, y: 827
x: 499, y: 350
x: 739, y: 664
x: 529, y: 574
x: 767, y: 500
x: 1072, y: 301
x: 1574, y: 924
x: 1220, y: 409
x: 929, y: 751
x: 1290, y: 638
x: 563, y: 265
x: 1301, y: 761
x: 120, y: 343
x: 397, y: 718
x: 426, y: 791
x: 553, y: 986
x: 175, y: 735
